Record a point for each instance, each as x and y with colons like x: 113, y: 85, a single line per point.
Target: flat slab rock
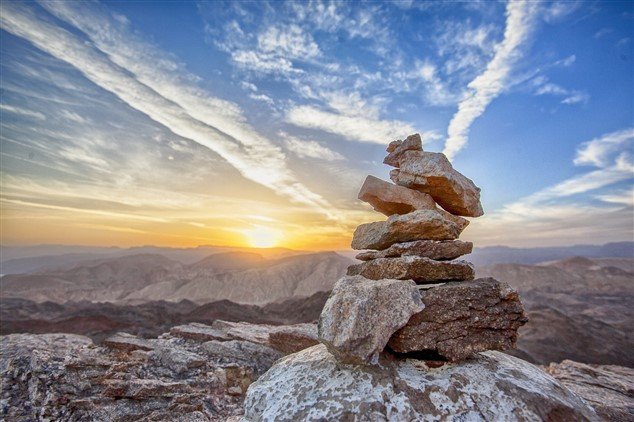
x: 313, y: 386
x: 420, y: 269
x: 388, y: 198
x: 286, y: 338
x: 361, y: 315
x: 438, y: 250
x: 432, y: 173
x: 460, y: 319
x: 607, y: 388
x: 417, y: 225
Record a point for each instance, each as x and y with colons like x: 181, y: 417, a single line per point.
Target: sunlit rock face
x: 312, y: 385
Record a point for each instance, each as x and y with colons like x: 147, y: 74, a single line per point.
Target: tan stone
x: 432, y: 173
x: 460, y: 319
x: 389, y: 199
x: 438, y: 250
x: 397, y: 148
x: 420, y: 269
x: 417, y: 225
x: 361, y: 315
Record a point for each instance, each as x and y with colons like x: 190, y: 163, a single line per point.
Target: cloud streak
x: 139, y: 76
x: 520, y: 16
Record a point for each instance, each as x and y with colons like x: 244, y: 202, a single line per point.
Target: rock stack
x: 411, y: 293
x: 396, y: 332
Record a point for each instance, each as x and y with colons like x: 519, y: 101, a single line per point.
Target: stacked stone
x: 411, y: 295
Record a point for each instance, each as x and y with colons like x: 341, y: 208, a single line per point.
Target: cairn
x: 411, y: 295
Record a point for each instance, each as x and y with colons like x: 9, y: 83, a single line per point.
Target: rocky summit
x: 403, y: 334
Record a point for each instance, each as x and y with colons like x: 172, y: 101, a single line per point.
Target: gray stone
x: 432, y: 173
x: 438, y: 250
x: 396, y: 148
x: 313, y: 386
x: 417, y: 225
x: 420, y: 269
x: 361, y: 315
x: 460, y: 319
x: 244, y: 353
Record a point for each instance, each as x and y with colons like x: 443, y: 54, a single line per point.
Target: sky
x: 255, y: 123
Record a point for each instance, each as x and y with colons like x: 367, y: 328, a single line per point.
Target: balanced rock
x: 313, y: 386
x: 417, y: 268
x: 460, y: 319
x: 396, y: 148
x: 421, y: 224
x: 438, y: 250
x: 432, y: 173
x: 388, y: 198
x: 361, y: 315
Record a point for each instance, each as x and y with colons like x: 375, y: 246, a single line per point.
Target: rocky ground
x: 196, y: 372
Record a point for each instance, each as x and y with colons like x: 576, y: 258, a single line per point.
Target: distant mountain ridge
x: 507, y: 255
x: 242, y: 277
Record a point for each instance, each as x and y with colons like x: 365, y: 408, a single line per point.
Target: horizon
x: 253, y: 125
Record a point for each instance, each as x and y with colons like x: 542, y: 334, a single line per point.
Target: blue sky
x: 192, y: 122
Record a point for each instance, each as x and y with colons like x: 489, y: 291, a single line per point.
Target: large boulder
x: 388, y: 198
x: 438, y: 250
x: 460, y: 319
x: 417, y: 225
x: 417, y: 268
x: 432, y: 173
x: 313, y: 386
x: 361, y: 315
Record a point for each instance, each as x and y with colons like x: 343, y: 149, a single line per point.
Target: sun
x: 262, y: 237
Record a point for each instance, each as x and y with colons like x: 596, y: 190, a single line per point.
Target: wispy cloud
x: 22, y: 111
x: 567, y: 211
x: 520, y: 16
x: 570, y: 96
x: 355, y: 127
x: 139, y: 75
x: 309, y: 148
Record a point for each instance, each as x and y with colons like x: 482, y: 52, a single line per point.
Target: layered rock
x: 388, y: 198
x: 396, y: 148
x: 417, y: 225
x: 432, y: 173
x: 438, y: 250
x: 607, y: 388
x: 361, y: 315
x: 417, y: 268
x: 460, y: 319
x: 313, y: 385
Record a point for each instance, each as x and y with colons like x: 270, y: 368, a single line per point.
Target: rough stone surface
x: 460, y: 319
x: 432, y: 173
x: 243, y: 353
x: 313, y: 386
x: 361, y: 315
x: 127, y: 342
x: 388, y: 199
x: 420, y: 269
x: 396, y: 148
x: 417, y: 225
x: 293, y: 338
x: 438, y: 250
x: 66, y: 377
x: 607, y: 388
x: 285, y: 338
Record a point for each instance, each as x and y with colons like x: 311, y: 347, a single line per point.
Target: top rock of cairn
x: 411, y: 294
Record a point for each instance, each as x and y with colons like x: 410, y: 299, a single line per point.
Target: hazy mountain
x: 504, y: 254
x: 100, y: 320
x: 22, y: 260
x: 242, y: 277
x: 579, y: 308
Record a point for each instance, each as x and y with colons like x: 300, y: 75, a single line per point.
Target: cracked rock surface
x: 460, y: 319
x: 312, y: 386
